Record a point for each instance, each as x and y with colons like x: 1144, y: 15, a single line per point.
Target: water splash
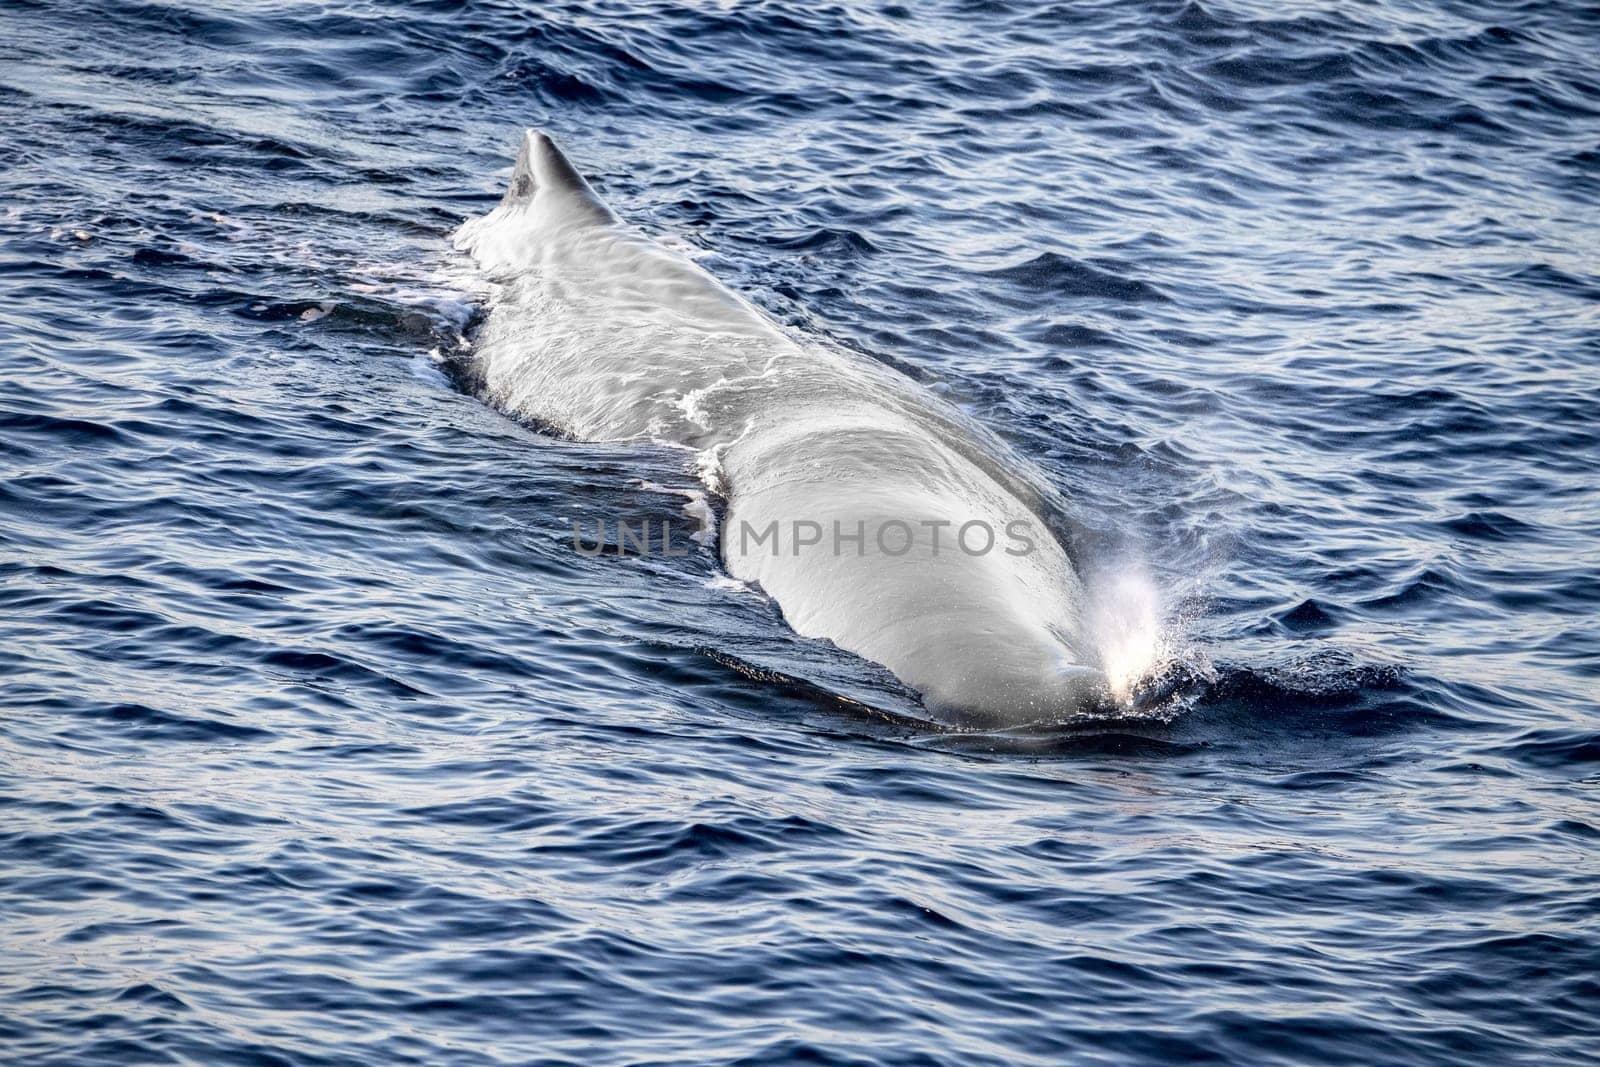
x: 1128, y: 626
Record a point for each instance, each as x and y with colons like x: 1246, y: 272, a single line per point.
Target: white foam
x: 1124, y: 620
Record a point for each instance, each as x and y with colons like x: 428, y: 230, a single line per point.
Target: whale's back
x: 606, y: 335
x: 596, y: 330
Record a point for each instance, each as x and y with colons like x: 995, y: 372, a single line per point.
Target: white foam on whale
x: 597, y: 331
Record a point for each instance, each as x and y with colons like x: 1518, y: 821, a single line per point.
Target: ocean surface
x: 320, y: 743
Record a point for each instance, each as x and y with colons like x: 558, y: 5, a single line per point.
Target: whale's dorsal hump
x: 545, y: 176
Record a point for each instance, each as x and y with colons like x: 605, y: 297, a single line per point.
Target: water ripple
x: 322, y: 745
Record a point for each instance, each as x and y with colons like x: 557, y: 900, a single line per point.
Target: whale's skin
x: 603, y: 334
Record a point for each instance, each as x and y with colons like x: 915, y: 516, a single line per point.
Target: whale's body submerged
x: 606, y: 335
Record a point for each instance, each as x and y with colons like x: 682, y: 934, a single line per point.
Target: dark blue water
x: 321, y: 745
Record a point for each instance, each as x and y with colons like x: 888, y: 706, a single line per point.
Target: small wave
x: 1056, y: 275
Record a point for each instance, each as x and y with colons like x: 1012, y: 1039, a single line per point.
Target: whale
x: 874, y: 514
